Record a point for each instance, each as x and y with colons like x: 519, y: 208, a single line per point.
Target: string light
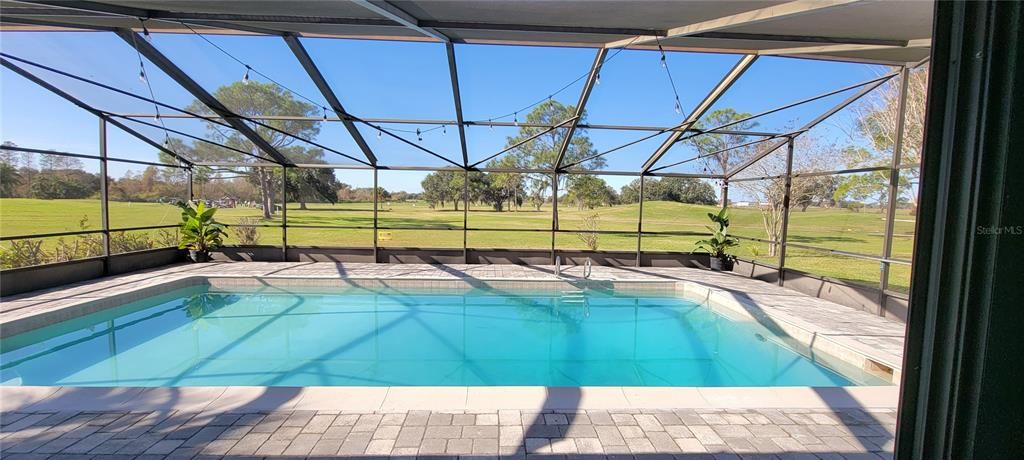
x: 379, y: 133
x: 515, y: 119
x: 325, y: 113
x: 597, y: 81
x: 664, y: 65
x: 490, y: 124
x: 245, y: 78
x: 142, y: 75
x: 444, y: 130
x: 567, y: 85
x: 145, y: 31
x: 419, y: 137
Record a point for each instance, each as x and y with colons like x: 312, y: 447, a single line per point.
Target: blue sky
x: 379, y: 79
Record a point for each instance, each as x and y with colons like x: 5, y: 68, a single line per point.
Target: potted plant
x: 719, y: 242
x: 200, y: 233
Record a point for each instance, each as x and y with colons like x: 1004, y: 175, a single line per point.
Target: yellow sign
x: 383, y: 236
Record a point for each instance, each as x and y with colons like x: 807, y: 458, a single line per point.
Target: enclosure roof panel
x: 878, y: 31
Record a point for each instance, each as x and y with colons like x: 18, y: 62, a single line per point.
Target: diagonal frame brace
x: 179, y: 76
x: 717, y: 92
x: 811, y: 124
x: 53, y: 89
x: 453, y: 72
x: 595, y: 70
x: 396, y: 14
x: 332, y: 99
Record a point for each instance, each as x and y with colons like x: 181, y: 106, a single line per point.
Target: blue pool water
x: 380, y: 337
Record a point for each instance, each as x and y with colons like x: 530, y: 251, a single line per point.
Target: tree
x: 440, y: 187
x: 770, y: 193
x: 588, y: 192
x: 253, y: 99
x: 13, y: 158
x: 541, y: 152
x: 64, y: 184
x: 678, y: 189
x: 686, y: 190
x: 512, y: 184
x: 310, y: 184
x: 877, y: 116
x: 814, y: 191
x: 707, y: 144
x: 10, y: 179
x: 865, y: 186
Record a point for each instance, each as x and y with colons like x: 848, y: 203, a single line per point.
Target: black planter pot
x: 199, y: 256
x: 721, y: 264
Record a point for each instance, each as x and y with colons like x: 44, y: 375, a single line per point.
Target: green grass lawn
x: 416, y: 225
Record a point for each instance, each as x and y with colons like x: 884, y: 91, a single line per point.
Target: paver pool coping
x: 454, y: 398
x: 847, y: 349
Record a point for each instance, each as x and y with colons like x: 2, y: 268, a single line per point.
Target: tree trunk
x: 266, y: 192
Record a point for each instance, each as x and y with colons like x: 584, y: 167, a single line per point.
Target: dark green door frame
x: 963, y: 384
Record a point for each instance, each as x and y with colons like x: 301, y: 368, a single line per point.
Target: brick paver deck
x: 568, y: 435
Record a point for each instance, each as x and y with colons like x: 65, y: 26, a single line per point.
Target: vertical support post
x: 284, y: 213
x: 465, y: 215
x: 375, y: 206
x: 554, y: 213
x: 894, y: 189
x: 725, y: 192
x: 640, y: 222
x: 189, y: 176
x: 104, y: 196
x: 788, y: 184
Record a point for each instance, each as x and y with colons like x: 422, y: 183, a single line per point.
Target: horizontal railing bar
x: 830, y: 251
x: 81, y: 232
x: 815, y: 173
x: 150, y: 227
x: 478, y: 123
x: 86, y: 156
x: 49, y: 235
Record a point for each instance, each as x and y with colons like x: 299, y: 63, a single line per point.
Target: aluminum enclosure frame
x: 650, y: 168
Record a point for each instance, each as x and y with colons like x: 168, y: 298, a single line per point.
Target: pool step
x: 573, y: 297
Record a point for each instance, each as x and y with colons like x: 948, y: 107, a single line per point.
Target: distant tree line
x: 583, y: 191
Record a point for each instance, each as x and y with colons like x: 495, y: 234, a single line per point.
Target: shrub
x: 588, y: 234
x: 129, y: 242
x: 247, y: 236
x: 166, y: 238
x: 23, y: 253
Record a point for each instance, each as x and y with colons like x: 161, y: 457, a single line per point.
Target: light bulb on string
x: 245, y: 78
x: 515, y: 119
x: 325, y: 113
x: 145, y: 32
x: 418, y: 136
x: 664, y: 63
x: 379, y: 133
x: 490, y: 124
x: 597, y: 81
x: 142, y: 75
x: 679, y: 108
x: 444, y: 130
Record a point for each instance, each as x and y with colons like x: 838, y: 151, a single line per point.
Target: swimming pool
x: 198, y: 336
